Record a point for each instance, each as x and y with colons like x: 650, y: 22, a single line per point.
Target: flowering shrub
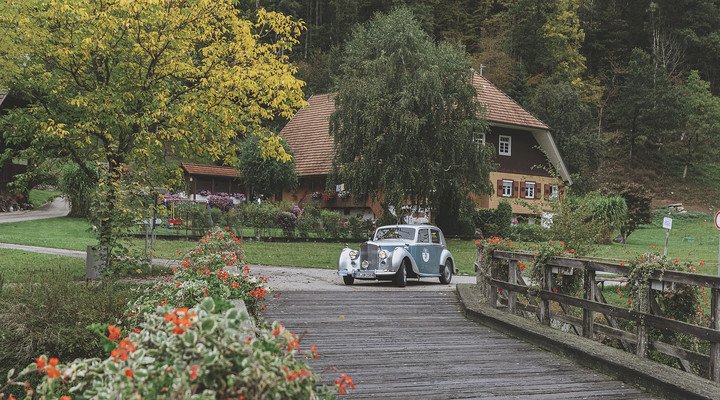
x: 222, y: 201
x: 329, y: 195
x: 316, y: 195
x: 567, y: 284
x: 205, y: 193
x: 182, y: 339
x: 196, y: 353
x: 287, y: 221
x: 344, y: 195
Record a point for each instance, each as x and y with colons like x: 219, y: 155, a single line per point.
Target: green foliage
x: 528, y: 233
x: 638, y: 200
x: 49, y: 321
x: 407, y: 104
x: 263, y: 175
x: 79, y: 187
x: 494, y: 222
x: 610, y: 212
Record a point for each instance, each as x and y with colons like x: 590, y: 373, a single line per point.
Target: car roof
x: 409, y: 226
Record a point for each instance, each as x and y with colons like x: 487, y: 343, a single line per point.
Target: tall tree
x: 126, y: 82
x: 700, y: 133
x: 265, y: 175
x: 406, y: 116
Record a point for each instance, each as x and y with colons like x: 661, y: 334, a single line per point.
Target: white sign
x: 339, y: 188
x: 717, y: 220
x: 667, y: 223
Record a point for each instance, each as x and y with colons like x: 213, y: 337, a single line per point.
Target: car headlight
x: 383, y: 254
x: 353, y: 254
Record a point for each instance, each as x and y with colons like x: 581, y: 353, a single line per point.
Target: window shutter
x: 515, y: 189
x: 548, y: 189
x: 499, y: 187
x: 522, y: 190
x: 561, y: 190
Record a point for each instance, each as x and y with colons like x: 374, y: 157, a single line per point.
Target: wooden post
x: 714, y: 346
x: 545, y: 304
x: 643, y: 302
x: 589, y: 315
x: 512, y: 278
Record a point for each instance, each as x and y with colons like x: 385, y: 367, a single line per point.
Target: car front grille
x: 369, y: 253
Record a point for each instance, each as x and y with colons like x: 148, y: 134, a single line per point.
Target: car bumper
x: 367, y: 274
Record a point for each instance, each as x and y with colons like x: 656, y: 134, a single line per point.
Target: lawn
x: 693, y: 238
x: 38, y: 198
x: 20, y: 266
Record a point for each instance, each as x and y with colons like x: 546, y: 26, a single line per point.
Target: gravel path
x: 59, y: 207
x: 285, y: 278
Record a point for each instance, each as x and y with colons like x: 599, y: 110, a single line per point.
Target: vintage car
x: 399, y: 252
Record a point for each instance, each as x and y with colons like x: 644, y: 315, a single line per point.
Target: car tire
x: 400, y: 279
x: 349, y: 279
x: 446, y: 272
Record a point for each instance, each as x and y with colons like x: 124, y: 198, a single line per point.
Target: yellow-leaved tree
x: 126, y: 83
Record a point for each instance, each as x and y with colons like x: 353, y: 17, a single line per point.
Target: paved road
x: 59, y: 207
x: 407, y: 343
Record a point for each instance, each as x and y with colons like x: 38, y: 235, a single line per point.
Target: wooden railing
x: 648, y: 313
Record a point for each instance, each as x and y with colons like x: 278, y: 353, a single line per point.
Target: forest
x: 628, y: 87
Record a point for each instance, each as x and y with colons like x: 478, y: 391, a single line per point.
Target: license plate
x: 365, y: 274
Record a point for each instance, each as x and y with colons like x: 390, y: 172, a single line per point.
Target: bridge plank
x: 405, y: 344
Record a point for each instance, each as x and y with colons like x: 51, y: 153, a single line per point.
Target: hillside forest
x: 628, y: 87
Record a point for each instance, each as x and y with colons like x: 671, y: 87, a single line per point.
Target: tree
x: 647, y: 109
x: 639, y: 205
x: 265, y: 175
x: 405, y: 119
x: 701, y: 130
x: 561, y: 107
x: 125, y: 83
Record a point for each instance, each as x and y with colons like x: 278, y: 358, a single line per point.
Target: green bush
x: 528, y: 233
x: 360, y: 228
x: 50, y: 316
x: 78, y: 187
x: 195, y: 215
x: 332, y: 226
x: 494, y: 222
x: 309, y: 220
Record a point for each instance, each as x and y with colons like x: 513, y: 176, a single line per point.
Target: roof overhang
x: 547, y: 145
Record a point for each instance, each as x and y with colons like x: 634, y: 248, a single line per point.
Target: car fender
x: 445, y: 256
x: 398, y: 255
x: 345, y: 263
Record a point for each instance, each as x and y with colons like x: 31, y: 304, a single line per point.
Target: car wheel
x: 348, y: 279
x: 401, y: 275
x: 446, y: 272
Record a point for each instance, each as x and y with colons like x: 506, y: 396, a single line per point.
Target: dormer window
x: 505, y: 145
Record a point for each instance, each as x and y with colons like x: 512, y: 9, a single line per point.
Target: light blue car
x: 399, y: 252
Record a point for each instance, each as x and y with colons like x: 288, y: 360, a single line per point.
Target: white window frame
x: 507, y: 184
x: 504, y: 139
x: 528, y: 187
x: 554, y: 192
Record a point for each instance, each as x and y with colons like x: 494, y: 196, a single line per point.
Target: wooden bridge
x: 404, y: 343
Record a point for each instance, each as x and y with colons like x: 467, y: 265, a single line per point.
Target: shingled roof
x: 210, y: 170
x: 308, y: 133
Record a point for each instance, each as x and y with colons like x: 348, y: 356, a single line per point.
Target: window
x: 423, y: 236
x: 529, y: 190
x: 395, y: 233
x: 479, y: 139
x: 507, y: 187
x: 435, y: 236
x: 504, y: 147
x: 554, y: 192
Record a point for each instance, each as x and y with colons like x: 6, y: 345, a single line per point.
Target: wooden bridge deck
x: 418, y: 344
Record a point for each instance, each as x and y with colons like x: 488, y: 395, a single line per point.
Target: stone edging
x: 657, y: 378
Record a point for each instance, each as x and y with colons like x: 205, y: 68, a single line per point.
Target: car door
x: 422, y: 251
x: 436, y: 248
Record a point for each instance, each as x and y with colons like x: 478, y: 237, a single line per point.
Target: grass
x: 693, y: 237
x: 38, y: 198
x: 21, y: 266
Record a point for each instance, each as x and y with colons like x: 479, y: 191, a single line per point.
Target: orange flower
x: 344, y: 383
x: 702, y: 263
x: 277, y: 330
x: 293, y: 345
x: 40, y: 362
x: 129, y: 373
x: 194, y: 371
x: 66, y: 397
x: 113, y: 332
x: 51, y: 370
x: 136, y: 330
x: 258, y: 293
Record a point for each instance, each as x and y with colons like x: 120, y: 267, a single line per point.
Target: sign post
x: 717, y: 225
x: 667, y: 224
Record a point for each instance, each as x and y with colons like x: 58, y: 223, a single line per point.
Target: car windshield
x: 395, y: 233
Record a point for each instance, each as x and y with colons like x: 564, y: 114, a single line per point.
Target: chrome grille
x: 369, y: 253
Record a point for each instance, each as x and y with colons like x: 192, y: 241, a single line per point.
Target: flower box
x: 662, y: 286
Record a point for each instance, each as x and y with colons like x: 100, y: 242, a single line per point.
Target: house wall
x: 525, y: 155
x: 520, y: 205
x: 215, y: 184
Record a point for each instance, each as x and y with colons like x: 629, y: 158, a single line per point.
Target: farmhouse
x: 525, y: 155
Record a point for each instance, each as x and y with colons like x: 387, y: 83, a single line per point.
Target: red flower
x: 194, y: 371
x: 129, y: 373
x: 555, y: 290
x: 66, y: 397
x: 258, y: 293
x: 344, y: 383
x: 702, y: 263
x: 136, y: 330
x: 113, y: 332
x: 40, y: 362
x: 51, y: 370
x: 277, y: 330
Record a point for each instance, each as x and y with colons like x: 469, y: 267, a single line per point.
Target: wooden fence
x: 593, y: 301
